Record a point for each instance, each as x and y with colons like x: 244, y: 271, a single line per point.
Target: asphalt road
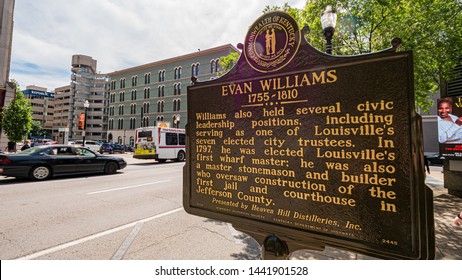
x: 134, y: 214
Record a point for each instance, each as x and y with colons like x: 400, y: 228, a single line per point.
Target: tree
x: 227, y: 62
x: 430, y: 28
x: 37, y: 129
x: 17, y: 119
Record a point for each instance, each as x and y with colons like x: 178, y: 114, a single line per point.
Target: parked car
x: 89, y: 144
x: 39, y: 142
x: 435, y: 159
x: 128, y: 148
x: 46, y: 161
x: 111, y: 148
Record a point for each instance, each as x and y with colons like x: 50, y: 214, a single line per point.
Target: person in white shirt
x: 449, y: 125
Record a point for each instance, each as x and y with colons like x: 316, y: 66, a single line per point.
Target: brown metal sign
x: 316, y: 149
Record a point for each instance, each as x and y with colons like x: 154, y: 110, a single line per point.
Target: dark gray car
x: 44, y: 162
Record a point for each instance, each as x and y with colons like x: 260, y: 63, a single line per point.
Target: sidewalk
x: 446, y: 207
x: 448, y: 239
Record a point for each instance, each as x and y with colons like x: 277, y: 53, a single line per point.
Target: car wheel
x: 181, y: 156
x: 40, y: 172
x: 110, y: 168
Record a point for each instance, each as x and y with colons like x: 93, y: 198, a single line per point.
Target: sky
x: 121, y: 34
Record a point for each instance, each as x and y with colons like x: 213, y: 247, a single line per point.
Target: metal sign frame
x: 301, y: 149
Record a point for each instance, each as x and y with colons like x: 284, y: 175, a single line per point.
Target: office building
x: 42, y: 108
x: 156, y: 92
x: 6, y: 38
x: 86, y: 84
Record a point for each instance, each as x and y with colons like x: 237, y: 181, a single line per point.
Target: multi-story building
x: 86, y: 84
x: 42, y: 107
x: 156, y: 92
x: 61, y: 112
x: 7, y: 92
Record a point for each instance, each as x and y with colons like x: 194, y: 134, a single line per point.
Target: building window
x: 147, y: 93
x: 146, y: 107
x: 160, y: 106
x: 195, y: 69
x: 134, y: 81
x: 177, y: 89
x: 132, y: 123
x: 177, y: 105
x: 133, y: 109
x: 121, y: 110
x: 111, y: 123
x: 122, y: 83
x: 111, y: 111
x: 120, y: 124
x: 147, y: 78
x: 159, y: 119
x: 113, y: 85
x: 145, y: 121
x: 177, y: 72
x: 112, y: 97
x: 161, y: 76
x: 214, y: 65
x: 134, y: 94
x: 161, y: 91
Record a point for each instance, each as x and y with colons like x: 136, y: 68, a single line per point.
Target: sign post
x: 301, y: 149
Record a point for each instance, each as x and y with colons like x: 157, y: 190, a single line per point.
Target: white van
x: 89, y: 144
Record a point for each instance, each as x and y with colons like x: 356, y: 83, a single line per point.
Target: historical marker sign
x: 318, y: 149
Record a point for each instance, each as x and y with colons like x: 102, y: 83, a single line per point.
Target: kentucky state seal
x: 272, y: 42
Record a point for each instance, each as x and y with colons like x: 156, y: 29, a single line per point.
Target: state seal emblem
x: 272, y: 42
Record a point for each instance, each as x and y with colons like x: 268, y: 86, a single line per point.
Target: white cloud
x: 121, y: 34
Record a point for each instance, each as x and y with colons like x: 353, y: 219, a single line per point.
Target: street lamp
x: 176, y: 121
x: 86, y: 105
x: 328, y: 22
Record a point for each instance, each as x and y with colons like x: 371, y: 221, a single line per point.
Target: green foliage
x: 430, y: 28
x: 17, y: 119
x: 227, y: 62
x: 37, y: 129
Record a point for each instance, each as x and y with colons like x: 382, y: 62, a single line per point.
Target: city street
x: 134, y: 214
x: 138, y: 214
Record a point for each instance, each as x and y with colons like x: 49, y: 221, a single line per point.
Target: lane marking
x: 128, y: 187
x: 119, y: 254
x: 133, y: 169
x: 94, y: 236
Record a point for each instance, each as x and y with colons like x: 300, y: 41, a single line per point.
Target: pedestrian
x: 26, y: 145
x: 427, y: 164
x: 458, y: 219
